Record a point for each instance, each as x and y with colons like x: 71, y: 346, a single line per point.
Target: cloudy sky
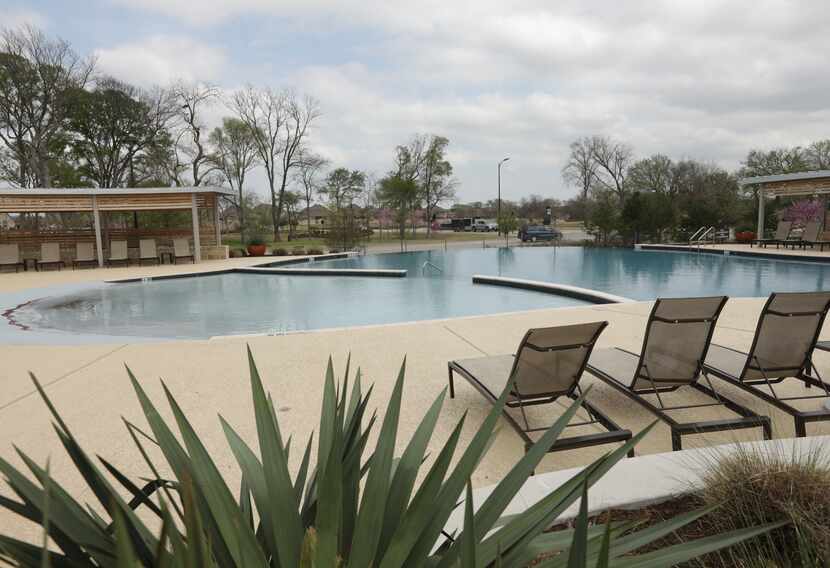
x: 700, y: 79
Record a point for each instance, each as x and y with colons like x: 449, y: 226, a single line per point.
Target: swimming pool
x: 236, y: 303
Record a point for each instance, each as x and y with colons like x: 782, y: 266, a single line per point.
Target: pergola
x: 202, y: 202
x: 801, y: 184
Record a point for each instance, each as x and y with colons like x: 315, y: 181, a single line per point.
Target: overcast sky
x: 692, y: 79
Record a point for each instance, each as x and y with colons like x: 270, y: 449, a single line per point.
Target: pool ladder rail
x: 699, y: 236
x: 428, y: 264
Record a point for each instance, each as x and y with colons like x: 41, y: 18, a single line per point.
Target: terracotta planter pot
x: 256, y: 250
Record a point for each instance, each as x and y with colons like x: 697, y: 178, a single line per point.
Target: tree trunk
x: 241, y: 217
x: 274, y: 218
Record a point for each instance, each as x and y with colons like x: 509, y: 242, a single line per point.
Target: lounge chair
x: 822, y: 241
x: 10, y: 257
x: 547, y: 365
x: 84, y: 255
x: 147, y: 251
x: 181, y: 250
x: 808, y: 237
x: 782, y: 233
x: 782, y: 348
x: 50, y: 255
x: 118, y: 253
x: 677, y: 338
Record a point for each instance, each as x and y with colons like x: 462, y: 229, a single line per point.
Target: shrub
x: 280, y: 252
x: 298, y: 250
x: 753, y: 487
x: 314, y: 251
x: 358, y: 506
x: 256, y: 240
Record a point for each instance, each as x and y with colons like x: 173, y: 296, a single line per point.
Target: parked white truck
x: 485, y: 225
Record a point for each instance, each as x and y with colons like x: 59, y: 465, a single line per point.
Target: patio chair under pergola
x: 202, y: 202
x: 802, y: 184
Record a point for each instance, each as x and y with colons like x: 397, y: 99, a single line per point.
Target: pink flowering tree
x: 804, y: 211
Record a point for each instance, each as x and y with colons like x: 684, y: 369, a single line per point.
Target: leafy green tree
x: 400, y: 194
x: 36, y: 73
x: 603, y: 215
x: 436, y: 180
x: 342, y: 187
x: 114, y: 129
x: 507, y: 224
x: 235, y: 155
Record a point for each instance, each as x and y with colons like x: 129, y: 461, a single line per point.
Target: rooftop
x: 25, y: 191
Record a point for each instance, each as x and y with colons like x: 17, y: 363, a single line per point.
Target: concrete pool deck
x: 89, y: 385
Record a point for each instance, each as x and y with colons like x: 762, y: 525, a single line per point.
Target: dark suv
x: 535, y: 233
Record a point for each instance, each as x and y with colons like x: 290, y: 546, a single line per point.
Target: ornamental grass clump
x: 753, y: 487
x: 360, y: 506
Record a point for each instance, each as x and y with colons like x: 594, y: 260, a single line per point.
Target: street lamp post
x: 498, y: 206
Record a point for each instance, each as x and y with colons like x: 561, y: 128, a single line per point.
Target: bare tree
x: 279, y: 123
x: 653, y: 174
x: 818, y: 155
x: 36, y: 72
x: 613, y: 159
x: 191, y: 152
x: 236, y: 155
x: 307, y: 175
x: 263, y: 111
x: 581, y: 169
x: 300, y: 115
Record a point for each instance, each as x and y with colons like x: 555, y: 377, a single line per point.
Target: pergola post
x: 99, y: 245
x: 761, y: 215
x: 197, y: 243
x: 216, y: 221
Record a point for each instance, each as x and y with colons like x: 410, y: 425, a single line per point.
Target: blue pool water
x: 226, y: 304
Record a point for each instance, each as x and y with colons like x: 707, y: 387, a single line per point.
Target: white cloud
x: 159, y: 60
x: 704, y: 79
x: 14, y: 16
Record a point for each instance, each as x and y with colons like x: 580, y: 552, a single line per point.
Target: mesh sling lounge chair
x: 84, y: 255
x: 782, y: 348
x: 181, y: 250
x: 677, y: 337
x: 782, y: 233
x: 50, y: 255
x: 10, y: 257
x: 118, y: 253
x: 147, y: 251
x: 548, y: 365
x: 808, y: 238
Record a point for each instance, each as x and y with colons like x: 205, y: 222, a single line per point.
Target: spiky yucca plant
x: 358, y: 507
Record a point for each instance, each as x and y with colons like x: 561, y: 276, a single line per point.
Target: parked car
x: 535, y: 233
x: 485, y: 225
x: 465, y: 224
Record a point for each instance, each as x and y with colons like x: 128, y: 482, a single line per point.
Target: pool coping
x: 269, y: 263
x: 354, y: 272
x: 554, y: 288
x: 729, y: 252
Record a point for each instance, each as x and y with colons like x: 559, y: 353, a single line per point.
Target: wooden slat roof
x: 133, y: 199
x: 89, y: 191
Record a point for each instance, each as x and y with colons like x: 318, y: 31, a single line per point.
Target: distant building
x: 317, y: 213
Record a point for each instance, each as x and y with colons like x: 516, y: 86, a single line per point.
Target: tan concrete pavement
x: 89, y: 386
x: 15, y: 282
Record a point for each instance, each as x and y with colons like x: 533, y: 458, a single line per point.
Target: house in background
x: 317, y: 213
